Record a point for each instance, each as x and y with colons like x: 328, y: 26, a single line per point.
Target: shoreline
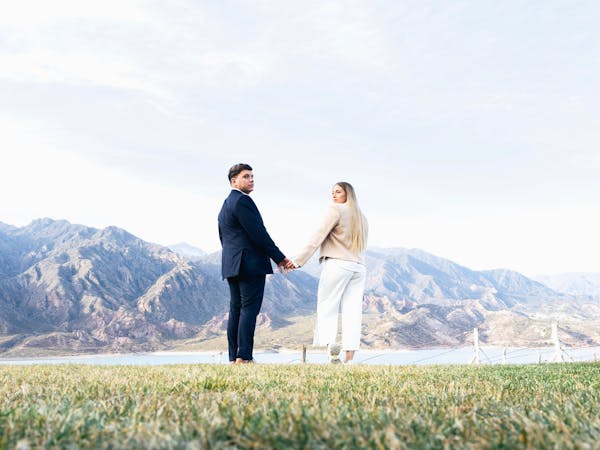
x: 432, y: 355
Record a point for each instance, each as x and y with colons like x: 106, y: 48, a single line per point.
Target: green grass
x: 301, y: 406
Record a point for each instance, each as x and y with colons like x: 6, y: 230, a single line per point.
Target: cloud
x: 79, y: 68
x: 160, y: 51
x: 340, y: 35
x: 427, y: 107
x: 41, y: 180
x: 29, y: 14
x: 530, y: 239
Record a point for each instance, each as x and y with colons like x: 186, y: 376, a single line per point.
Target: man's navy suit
x: 247, y: 251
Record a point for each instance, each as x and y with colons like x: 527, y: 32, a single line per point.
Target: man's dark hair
x: 235, y: 170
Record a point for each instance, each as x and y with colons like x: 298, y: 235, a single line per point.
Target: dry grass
x: 301, y: 406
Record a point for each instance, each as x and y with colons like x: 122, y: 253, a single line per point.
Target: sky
x: 469, y: 129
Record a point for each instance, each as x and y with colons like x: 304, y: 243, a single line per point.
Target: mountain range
x: 580, y: 284
x: 72, y: 288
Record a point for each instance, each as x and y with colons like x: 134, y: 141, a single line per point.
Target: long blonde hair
x: 358, y: 223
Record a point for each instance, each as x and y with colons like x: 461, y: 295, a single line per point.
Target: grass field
x: 300, y: 406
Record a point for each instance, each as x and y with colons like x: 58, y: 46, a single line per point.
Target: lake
x: 462, y: 355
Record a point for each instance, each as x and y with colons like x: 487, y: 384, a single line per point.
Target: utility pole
x: 475, y: 359
x: 558, y: 352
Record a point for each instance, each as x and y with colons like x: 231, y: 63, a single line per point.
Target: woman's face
x: 339, y: 195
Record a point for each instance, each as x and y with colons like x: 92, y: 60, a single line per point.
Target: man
x: 247, y: 250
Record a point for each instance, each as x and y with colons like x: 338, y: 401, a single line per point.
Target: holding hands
x: 286, y: 265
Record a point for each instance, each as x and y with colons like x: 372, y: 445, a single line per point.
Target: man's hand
x: 286, y: 265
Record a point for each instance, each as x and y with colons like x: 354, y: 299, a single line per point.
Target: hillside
x: 72, y: 288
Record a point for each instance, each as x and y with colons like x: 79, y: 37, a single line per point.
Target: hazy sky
x: 470, y: 129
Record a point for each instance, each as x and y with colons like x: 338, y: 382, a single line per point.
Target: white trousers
x: 341, y: 286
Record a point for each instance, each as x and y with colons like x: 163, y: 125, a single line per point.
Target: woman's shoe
x: 334, y: 354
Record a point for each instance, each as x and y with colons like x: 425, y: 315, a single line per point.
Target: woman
x: 342, y: 238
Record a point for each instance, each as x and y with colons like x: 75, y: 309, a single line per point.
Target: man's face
x: 244, y: 181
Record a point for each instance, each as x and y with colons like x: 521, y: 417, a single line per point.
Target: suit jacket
x: 247, y: 247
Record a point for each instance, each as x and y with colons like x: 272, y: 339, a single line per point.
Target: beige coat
x: 333, y: 237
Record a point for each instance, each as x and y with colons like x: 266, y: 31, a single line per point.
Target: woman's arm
x: 332, y: 217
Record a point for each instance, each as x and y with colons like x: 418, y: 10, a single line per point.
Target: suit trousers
x: 341, y: 286
x: 246, y: 295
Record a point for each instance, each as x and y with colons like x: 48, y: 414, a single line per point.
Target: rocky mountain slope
x: 66, y: 287
x: 424, y: 300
